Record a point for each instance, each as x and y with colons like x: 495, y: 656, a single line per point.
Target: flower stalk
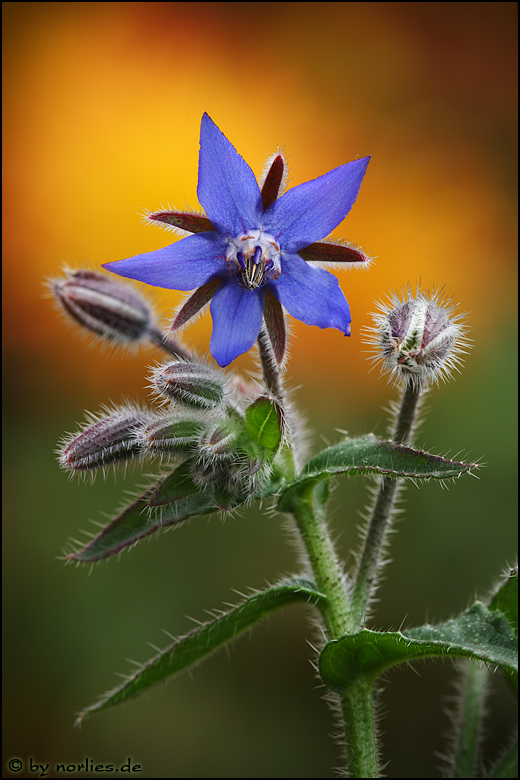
x: 369, y: 562
x: 309, y: 513
x: 170, y: 346
x: 356, y: 703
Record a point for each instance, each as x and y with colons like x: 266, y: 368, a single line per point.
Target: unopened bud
x: 169, y: 435
x: 418, y: 340
x: 191, y: 384
x: 106, y: 440
x: 247, y: 473
x: 217, y: 443
x: 207, y: 475
x: 104, y: 306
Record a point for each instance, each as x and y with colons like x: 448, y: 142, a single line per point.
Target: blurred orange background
x: 102, y: 109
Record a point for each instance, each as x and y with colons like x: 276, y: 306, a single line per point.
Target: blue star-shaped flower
x: 250, y: 254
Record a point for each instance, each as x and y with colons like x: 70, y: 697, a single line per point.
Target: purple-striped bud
x: 170, y: 435
x: 106, y: 440
x: 419, y: 339
x: 191, y: 384
x: 103, y: 305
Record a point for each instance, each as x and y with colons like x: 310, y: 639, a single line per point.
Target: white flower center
x: 254, y: 257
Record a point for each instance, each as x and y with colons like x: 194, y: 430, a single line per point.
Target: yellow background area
x: 102, y: 109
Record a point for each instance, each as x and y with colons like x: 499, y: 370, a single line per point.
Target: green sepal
x: 176, y: 437
x: 210, y: 636
x: 177, y: 485
x: 478, y: 633
x: 264, y: 426
x: 138, y: 521
x: 368, y: 455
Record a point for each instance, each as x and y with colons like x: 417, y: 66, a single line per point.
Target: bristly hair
x: 147, y: 218
x: 267, y: 167
x: 101, y: 454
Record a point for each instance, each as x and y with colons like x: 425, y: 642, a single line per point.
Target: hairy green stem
x: 366, y: 573
x: 357, y: 701
x: 309, y: 512
x: 468, y: 725
x: 357, y: 704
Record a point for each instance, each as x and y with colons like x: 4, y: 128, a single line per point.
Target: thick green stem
x: 357, y: 702
x: 468, y: 728
x: 366, y: 574
x: 309, y: 512
x: 358, y: 715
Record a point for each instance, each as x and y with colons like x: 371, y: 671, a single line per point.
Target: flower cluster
x: 251, y: 252
x: 210, y: 432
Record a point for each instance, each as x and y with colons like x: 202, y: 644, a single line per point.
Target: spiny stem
x: 309, y: 512
x: 357, y: 703
x: 468, y: 725
x: 365, y: 578
x: 360, y: 732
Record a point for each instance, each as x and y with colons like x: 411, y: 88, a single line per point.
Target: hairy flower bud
x: 106, y: 307
x: 170, y: 435
x: 419, y: 339
x: 107, y: 439
x: 217, y: 444
x: 207, y: 475
x: 191, y: 384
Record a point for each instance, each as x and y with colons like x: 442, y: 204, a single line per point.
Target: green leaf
x: 478, y: 633
x: 264, y: 425
x: 369, y: 455
x: 138, y: 521
x: 505, y: 601
x: 212, y: 635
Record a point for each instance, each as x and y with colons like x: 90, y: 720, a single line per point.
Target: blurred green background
x: 102, y: 107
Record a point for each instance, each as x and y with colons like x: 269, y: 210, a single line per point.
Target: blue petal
x: 237, y: 318
x: 189, y: 263
x: 227, y: 188
x: 311, y: 295
x: 309, y: 212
